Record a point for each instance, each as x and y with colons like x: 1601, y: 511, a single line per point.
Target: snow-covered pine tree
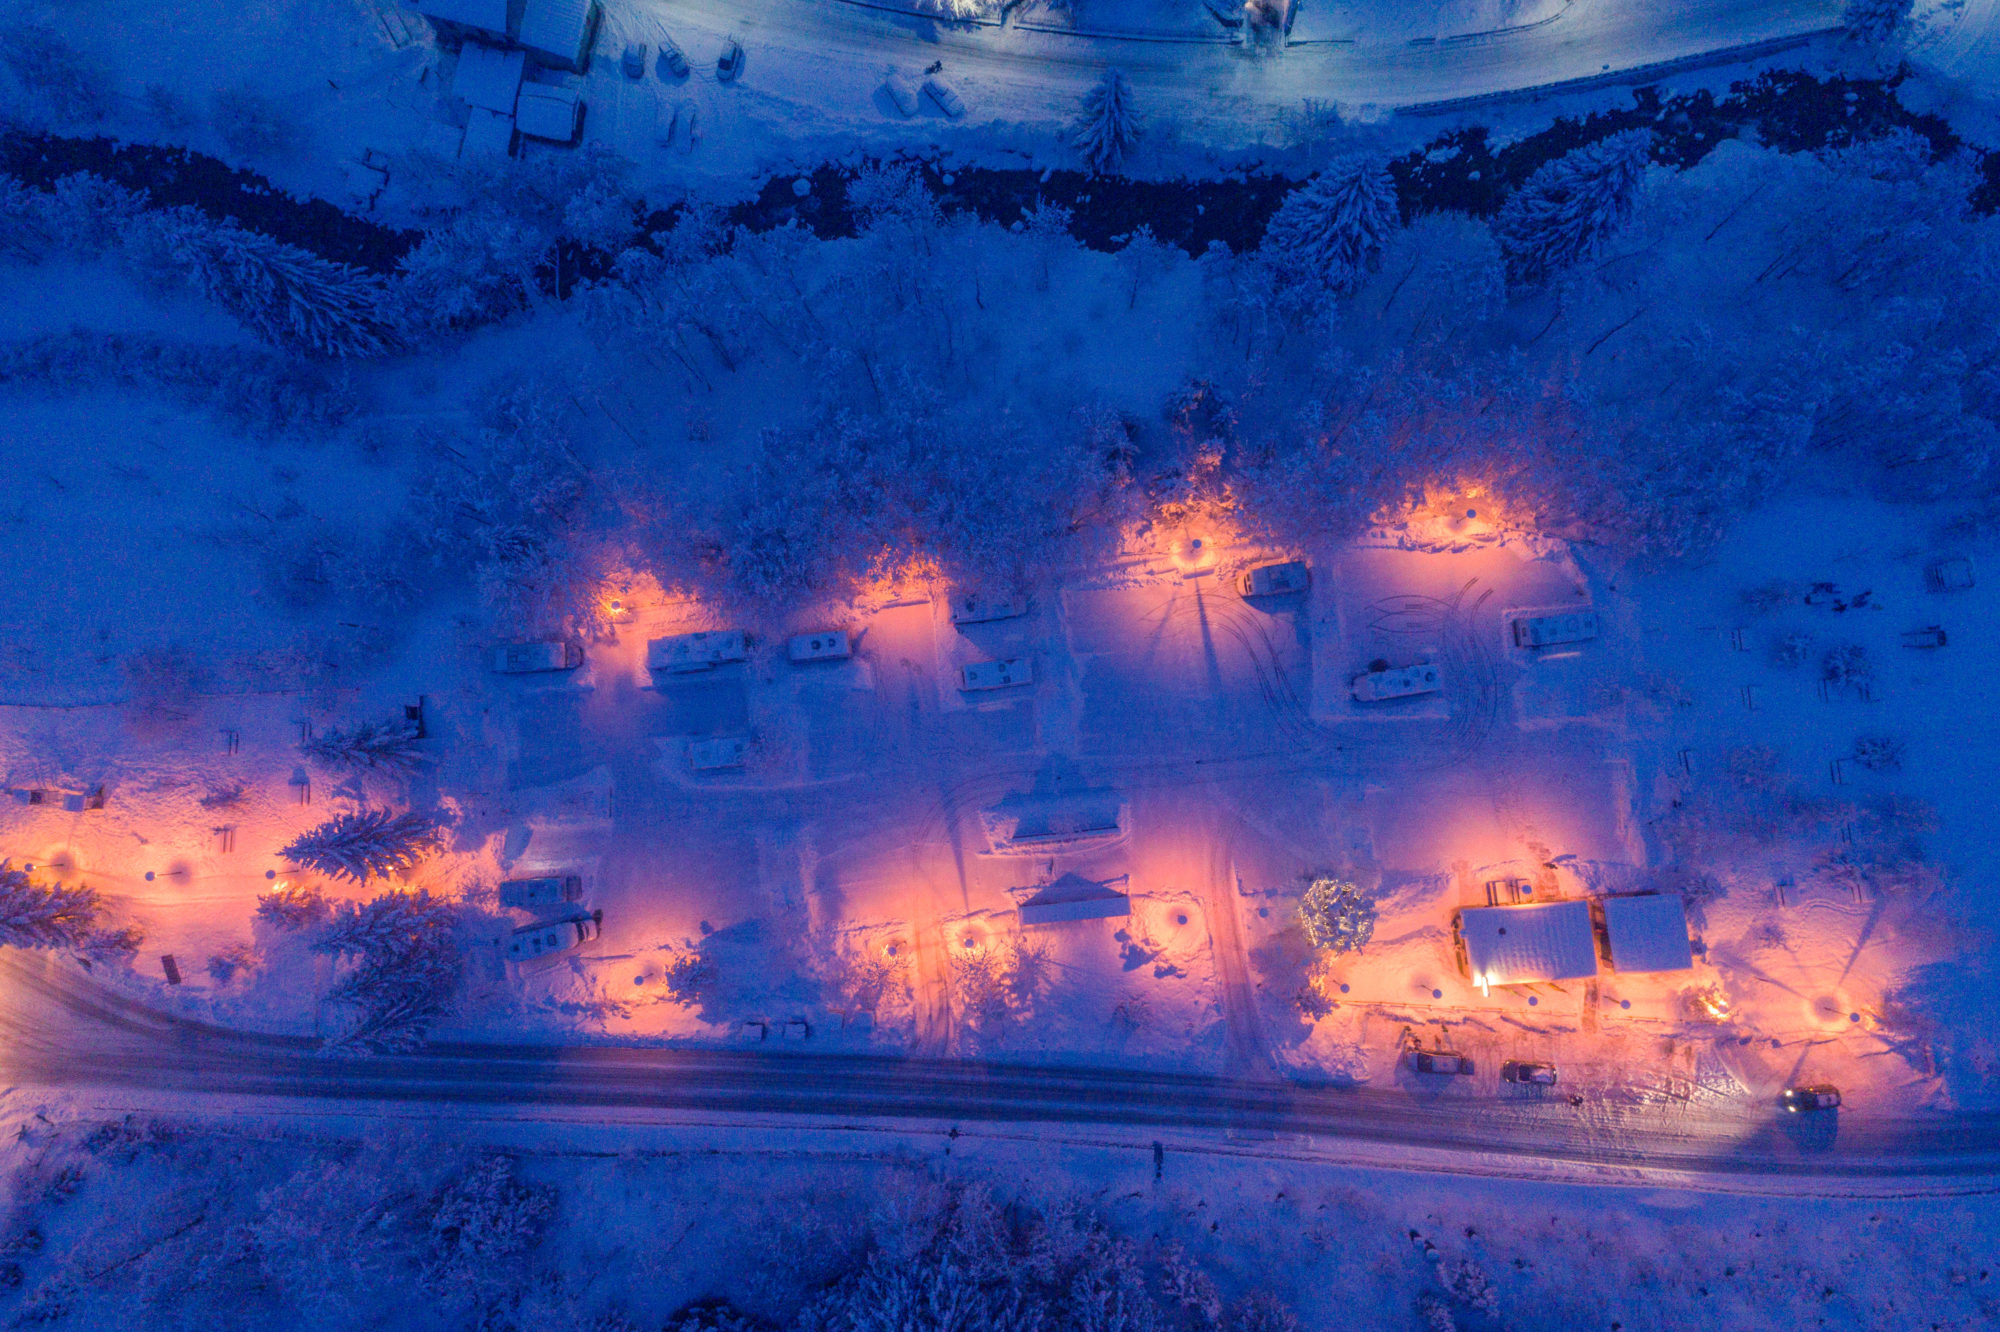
x: 43, y: 915
x: 1333, y: 227
x: 369, y: 843
x: 410, y: 966
x: 1876, y: 22
x: 285, y: 295
x: 389, y: 746
x: 1563, y: 212
x: 1336, y: 916
x: 1108, y: 128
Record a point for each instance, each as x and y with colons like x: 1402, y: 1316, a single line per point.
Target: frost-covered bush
x: 1876, y: 22
x: 293, y: 906
x: 1567, y: 209
x: 253, y: 389
x: 370, y: 843
x: 1846, y: 664
x: 390, y: 746
x: 1879, y: 753
x: 1332, y: 229
x: 285, y: 295
x: 1793, y: 649
x: 252, y: 124
x: 44, y: 915
x: 494, y: 249
x: 409, y: 966
x: 484, y: 1221
x: 1109, y: 128
x: 53, y: 76
x: 1336, y: 915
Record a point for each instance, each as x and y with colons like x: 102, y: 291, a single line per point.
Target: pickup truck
x: 553, y: 936
x: 529, y: 658
x: 551, y: 890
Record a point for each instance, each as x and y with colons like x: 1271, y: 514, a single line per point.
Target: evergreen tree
x: 383, y: 746
x: 1333, y: 228
x: 369, y: 843
x: 1108, y: 128
x: 410, y: 965
x: 43, y: 915
x: 1563, y: 212
x: 285, y: 295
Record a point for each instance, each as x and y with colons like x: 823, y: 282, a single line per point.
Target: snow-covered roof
x: 1519, y: 945
x: 486, y: 15
x: 489, y: 78
x: 1648, y: 933
x: 559, y: 30
x: 487, y: 134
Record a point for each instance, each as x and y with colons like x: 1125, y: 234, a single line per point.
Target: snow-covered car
x: 1800, y: 1100
x: 901, y: 96
x: 549, y: 890
x: 553, y: 936
x: 1538, y: 1075
x: 1274, y: 580
x: 1540, y: 631
x: 979, y: 607
x: 1440, y: 1061
x: 529, y: 658
x: 1404, y: 682
x: 718, y: 753
x: 948, y: 101
x: 997, y: 674
x: 633, y: 63
x: 730, y: 63
x: 827, y: 645
x: 673, y: 66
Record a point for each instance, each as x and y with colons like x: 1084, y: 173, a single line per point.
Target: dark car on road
x: 1439, y: 1061
x: 1800, y: 1100
x: 1539, y: 1075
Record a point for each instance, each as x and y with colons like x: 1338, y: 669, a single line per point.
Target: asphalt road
x: 62, y: 1031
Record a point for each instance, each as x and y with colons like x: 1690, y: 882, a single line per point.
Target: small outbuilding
x: 559, y: 33
x: 470, y: 18
x: 1073, y: 897
x: 488, y: 78
x: 1523, y: 945
x: 1647, y: 932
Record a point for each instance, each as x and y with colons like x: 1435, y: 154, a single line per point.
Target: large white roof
x: 1519, y: 945
x: 557, y: 28
x: 1648, y: 933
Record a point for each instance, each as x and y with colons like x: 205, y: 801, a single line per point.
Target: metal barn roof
x: 1520, y: 945
x: 560, y: 30
x: 1648, y: 933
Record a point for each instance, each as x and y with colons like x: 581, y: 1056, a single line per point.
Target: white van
x: 696, y: 652
x: 555, y: 936
x: 827, y: 645
x: 997, y: 674
x: 1406, y: 682
x: 1540, y: 631
x: 977, y: 608
x: 1272, y: 580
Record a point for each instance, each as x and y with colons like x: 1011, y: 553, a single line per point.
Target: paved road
x: 58, y: 1029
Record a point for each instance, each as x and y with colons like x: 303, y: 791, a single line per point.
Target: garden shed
x: 1522, y: 945
x: 1648, y: 932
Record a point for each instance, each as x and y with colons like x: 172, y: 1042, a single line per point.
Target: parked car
x: 529, y: 658
x: 1538, y: 1075
x: 673, y: 66
x: 633, y: 63
x: 948, y: 101
x: 1440, y: 1061
x: 1800, y: 1100
x: 553, y: 936
x: 698, y: 651
x: 718, y: 753
x: 1271, y: 580
x: 900, y: 95
x: 550, y: 890
x: 730, y: 63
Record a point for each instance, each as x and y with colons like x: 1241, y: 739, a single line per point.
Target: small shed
x: 1073, y: 897
x: 488, y: 78
x: 1648, y: 932
x: 559, y: 33
x: 1522, y: 945
x: 555, y: 114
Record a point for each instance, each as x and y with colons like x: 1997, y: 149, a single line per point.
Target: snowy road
x: 816, y: 69
x: 63, y: 1031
